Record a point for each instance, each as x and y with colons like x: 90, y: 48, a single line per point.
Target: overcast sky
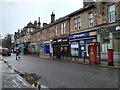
x: 16, y: 14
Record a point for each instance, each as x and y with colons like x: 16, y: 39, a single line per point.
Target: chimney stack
x: 44, y: 24
x: 52, y: 17
x: 39, y: 24
x: 18, y: 30
x: 87, y: 2
x: 35, y: 23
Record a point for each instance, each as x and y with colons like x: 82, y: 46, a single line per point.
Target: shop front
x: 60, y: 47
x: 47, y: 47
x: 33, y: 48
x: 22, y: 46
x: 109, y: 37
x: 79, y: 43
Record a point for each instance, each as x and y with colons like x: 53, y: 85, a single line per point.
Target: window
x: 74, y: 49
x: 31, y: 29
x: 56, y: 31
x: 79, y: 23
x: 111, y: 11
x: 64, y: 31
x: 75, y: 24
x: 62, y: 28
x: 90, y: 19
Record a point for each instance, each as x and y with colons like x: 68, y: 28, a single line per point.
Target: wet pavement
x: 10, y: 79
x: 57, y: 74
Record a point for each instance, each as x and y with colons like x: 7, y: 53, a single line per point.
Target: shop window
x: 105, y: 42
x: 74, y: 49
x: 116, y: 42
x: 64, y: 50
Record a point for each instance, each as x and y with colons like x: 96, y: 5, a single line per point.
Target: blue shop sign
x: 79, y: 35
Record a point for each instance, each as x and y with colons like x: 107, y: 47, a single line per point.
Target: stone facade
x: 64, y: 32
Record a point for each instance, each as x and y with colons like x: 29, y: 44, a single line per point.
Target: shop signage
x: 60, y: 40
x: 93, y: 33
x: 79, y: 35
x: 65, y: 40
x: 46, y: 42
x: 103, y: 30
x: 117, y: 28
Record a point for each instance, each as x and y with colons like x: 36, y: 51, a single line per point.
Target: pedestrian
x: 17, y: 52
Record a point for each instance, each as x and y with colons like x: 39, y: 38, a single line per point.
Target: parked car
x: 6, y: 52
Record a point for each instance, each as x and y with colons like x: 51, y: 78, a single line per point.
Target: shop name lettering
x: 60, y: 40
x: 78, y: 35
x: 103, y: 30
x: 118, y: 28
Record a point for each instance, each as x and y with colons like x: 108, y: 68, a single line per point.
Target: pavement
x: 9, y: 79
x: 103, y: 63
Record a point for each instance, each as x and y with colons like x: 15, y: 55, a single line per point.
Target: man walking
x: 17, y: 52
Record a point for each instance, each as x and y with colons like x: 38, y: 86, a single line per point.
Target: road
x: 57, y: 74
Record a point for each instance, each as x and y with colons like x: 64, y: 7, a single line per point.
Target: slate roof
x: 67, y: 16
x: 30, y: 25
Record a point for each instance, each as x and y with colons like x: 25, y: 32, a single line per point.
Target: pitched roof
x: 67, y: 16
x: 83, y: 9
x: 30, y: 25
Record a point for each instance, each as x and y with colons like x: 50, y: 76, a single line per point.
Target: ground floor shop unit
x: 24, y: 48
x: 60, y: 47
x: 79, y: 43
x: 109, y: 38
x: 41, y: 47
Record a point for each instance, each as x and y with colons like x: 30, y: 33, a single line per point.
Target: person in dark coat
x: 17, y: 52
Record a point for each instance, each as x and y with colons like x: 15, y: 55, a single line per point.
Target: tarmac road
x: 57, y: 74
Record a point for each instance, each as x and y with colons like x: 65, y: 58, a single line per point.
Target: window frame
x: 75, y: 24
x: 64, y: 28
x: 90, y: 18
x: 79, y: 22
x: 110, y: 12
x: 56, y: 31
